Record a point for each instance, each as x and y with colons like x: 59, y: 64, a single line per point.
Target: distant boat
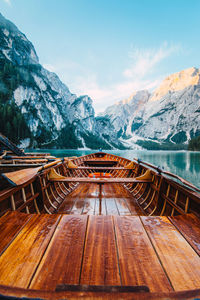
x: 99, y: 226
x: 13, y: 158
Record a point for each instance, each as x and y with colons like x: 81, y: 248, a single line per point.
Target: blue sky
x: 110, y: 48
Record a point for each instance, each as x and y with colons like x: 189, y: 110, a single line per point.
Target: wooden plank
x: 19, y: 261
x: 78, y: 206
x: 189, y: 226
x: 111, y: 206
x: 81, y: 200
x: 96, y: 162
x: 101, y: 180
x: 10, y: 225
x: 100, y: 264
x: 61, y: 263
x: 122, y: 207
x: 100, y: 207
x: 134, y: 207
x: 103, y: 288
x: 180, y: 261
x: 139, y: 264
x: 101, y: 168
x: 70, y: 200
x: 89, y: 206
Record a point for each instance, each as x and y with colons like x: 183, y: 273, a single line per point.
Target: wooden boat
x: 99, y: 226
x: 13, y: 163
x: 13, y: 158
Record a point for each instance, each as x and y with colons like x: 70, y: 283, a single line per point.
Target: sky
x: 108, y: 49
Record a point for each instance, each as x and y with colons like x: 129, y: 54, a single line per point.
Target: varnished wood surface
x: 19, y: 261
x: 138, y: 261
x: 62, y: 261
x: 100, y: 263
x: 189, y: 226
x: 116, y: 200
x: 54, y: 250
x: 10, y: 225
x: 58, y: 295
x: 180, y: 262
x: 102, y: 180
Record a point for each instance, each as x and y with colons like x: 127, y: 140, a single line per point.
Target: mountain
x: 167, y: 118
x: 36, y: 108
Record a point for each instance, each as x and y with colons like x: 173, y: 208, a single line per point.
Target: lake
x: 182, y: 163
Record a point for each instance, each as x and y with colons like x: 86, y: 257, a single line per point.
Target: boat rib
x: 99, y: 226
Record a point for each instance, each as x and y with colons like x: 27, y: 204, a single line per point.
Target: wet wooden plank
x: 67, y: 205
x: 101, y: 168
x: 100, y: 207
x: 108, y: 190
x: 180, y: 261
x: 122, y: 206
x: 103, y: 288
x: 133, y: 207
x: 102, y: 180
x: 111, y: 207
x: 19, y: 261
x: 90, y: 199
x: 61, y: 263
x: 139, y: 264
x: 79, y: 202
x: 69, y: 201
x: 189, y: 226
x: 10, y: 225
x: 89, y: 207
x: 100, y: 264
x: 78, y: 206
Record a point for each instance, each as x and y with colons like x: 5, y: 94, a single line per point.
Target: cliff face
x: 51, y: 114
x: 37, y: 109
x: 170, y: 115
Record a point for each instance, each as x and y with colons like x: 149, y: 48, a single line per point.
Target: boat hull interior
x: 99, y: 226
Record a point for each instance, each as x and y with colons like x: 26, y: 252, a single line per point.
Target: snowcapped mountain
x: 43, y: 109
x: 169, y: 116
x: 37, y: 109
x: 124, y: 113
x: 172, y: 113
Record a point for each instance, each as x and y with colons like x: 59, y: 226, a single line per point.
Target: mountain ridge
x: 168, y: 117
x: 38, y: 110
x: 51, y: 114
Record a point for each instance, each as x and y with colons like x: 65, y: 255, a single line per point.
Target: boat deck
x: 114, y: 200
x: 45, y: 252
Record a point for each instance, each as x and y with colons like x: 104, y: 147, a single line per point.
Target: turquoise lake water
x: 182, y: 163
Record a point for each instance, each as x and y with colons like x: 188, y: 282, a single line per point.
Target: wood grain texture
x: 111, y: 207
x: 10, y: 225
x: 180, y: 261
x: 19, y: 261
x: 27, y: 293
x: 61, y: 263
x: 138, y: 262
x: 122, y: 206
x: 84, y: 200
x: 100, y: 264
x: 102, y: 180
x: 189, y: 226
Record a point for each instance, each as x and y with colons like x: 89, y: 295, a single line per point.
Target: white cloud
x: 144, y: 61
x: 139, y: 75
x: 7, y: 2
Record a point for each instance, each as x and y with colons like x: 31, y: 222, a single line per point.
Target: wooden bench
x: 99, y: 181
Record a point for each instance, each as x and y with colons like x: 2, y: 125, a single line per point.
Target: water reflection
x: 183, y: 163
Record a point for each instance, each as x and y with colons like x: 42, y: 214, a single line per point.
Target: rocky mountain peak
x: 15, y: 45
x: 36, y: 108
x: 177, y: 82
